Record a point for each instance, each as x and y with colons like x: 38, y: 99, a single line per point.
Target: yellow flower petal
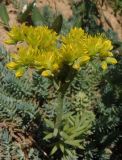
x: 110, y: 54
x: 111, y: 60
x: 76, y: 66
x: 47, y: 73
x: 84, y: 59
x: 80, y: 61
x: 104, y: 65
x: 19, y: 73
x: 11, y: 65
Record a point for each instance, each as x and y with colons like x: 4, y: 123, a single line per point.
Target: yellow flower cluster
x: 36, y: 37
x: 47, y: 52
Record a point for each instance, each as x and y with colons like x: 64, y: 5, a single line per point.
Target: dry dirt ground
x: 108, y: 19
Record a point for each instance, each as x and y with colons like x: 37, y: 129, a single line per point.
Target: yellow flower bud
x: 47, y: 73
x: 76, y: 66
x: 110, y: 54
x: 104, y: 65
x: 80, y: 61
x: 19, y: 73
x: 84, y: 59
x: 11, y: 65
x: 111, y: 60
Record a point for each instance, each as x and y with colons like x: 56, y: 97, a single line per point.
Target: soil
x: 110, y: 19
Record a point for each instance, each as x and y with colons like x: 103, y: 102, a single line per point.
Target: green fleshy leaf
x: 55, y: 133
x: 55, y: 148
x: 49, y: 123
x: 57, y: 24
x: 37, y: 18
x: 49, y: 136
x: 4, y: 15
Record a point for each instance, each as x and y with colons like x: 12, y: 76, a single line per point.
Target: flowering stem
x: 59, y: 110
x: 61, y: 95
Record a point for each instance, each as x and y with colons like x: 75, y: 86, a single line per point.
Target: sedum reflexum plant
x: 60, y: 57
